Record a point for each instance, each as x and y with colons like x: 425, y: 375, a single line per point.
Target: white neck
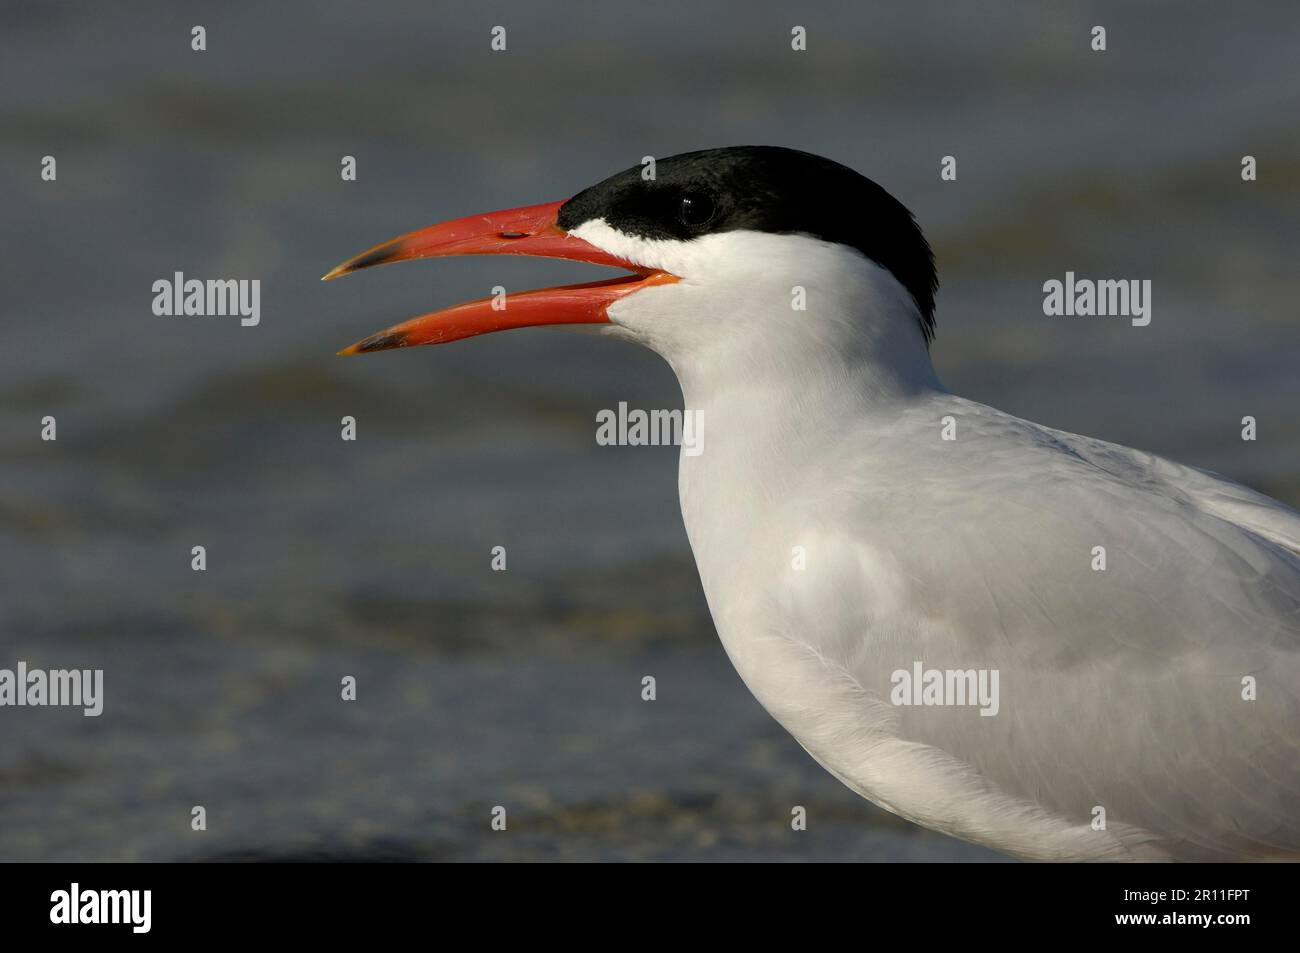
x: 861, y: 349
x: 780, y: 342
x: 774, y: 403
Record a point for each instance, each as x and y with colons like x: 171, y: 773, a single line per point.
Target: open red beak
x: 520, y: 231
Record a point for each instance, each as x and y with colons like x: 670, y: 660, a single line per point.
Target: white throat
x: 782, y: 344
x: 769, y: 331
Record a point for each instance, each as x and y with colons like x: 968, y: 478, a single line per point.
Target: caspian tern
x: 878, y: 552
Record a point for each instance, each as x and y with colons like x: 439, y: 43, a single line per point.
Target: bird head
x: 723, y: 247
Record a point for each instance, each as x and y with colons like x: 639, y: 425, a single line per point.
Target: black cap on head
x: 765, y: 189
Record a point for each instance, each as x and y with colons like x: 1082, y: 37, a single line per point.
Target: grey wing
x: 1208, y: 492
x: 1164, y: 688
x: 1182, y: 711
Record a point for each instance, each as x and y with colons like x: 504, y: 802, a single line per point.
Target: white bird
x: 927, y: 616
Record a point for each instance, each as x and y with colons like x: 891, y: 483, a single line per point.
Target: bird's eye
x: 695, y: 209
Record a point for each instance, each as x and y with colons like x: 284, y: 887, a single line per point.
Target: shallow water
x: 371, y: 558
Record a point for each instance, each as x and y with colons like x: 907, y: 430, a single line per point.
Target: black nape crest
x: 766, y: 189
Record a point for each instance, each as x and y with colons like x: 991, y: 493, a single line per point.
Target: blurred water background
x: 371, y: 558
